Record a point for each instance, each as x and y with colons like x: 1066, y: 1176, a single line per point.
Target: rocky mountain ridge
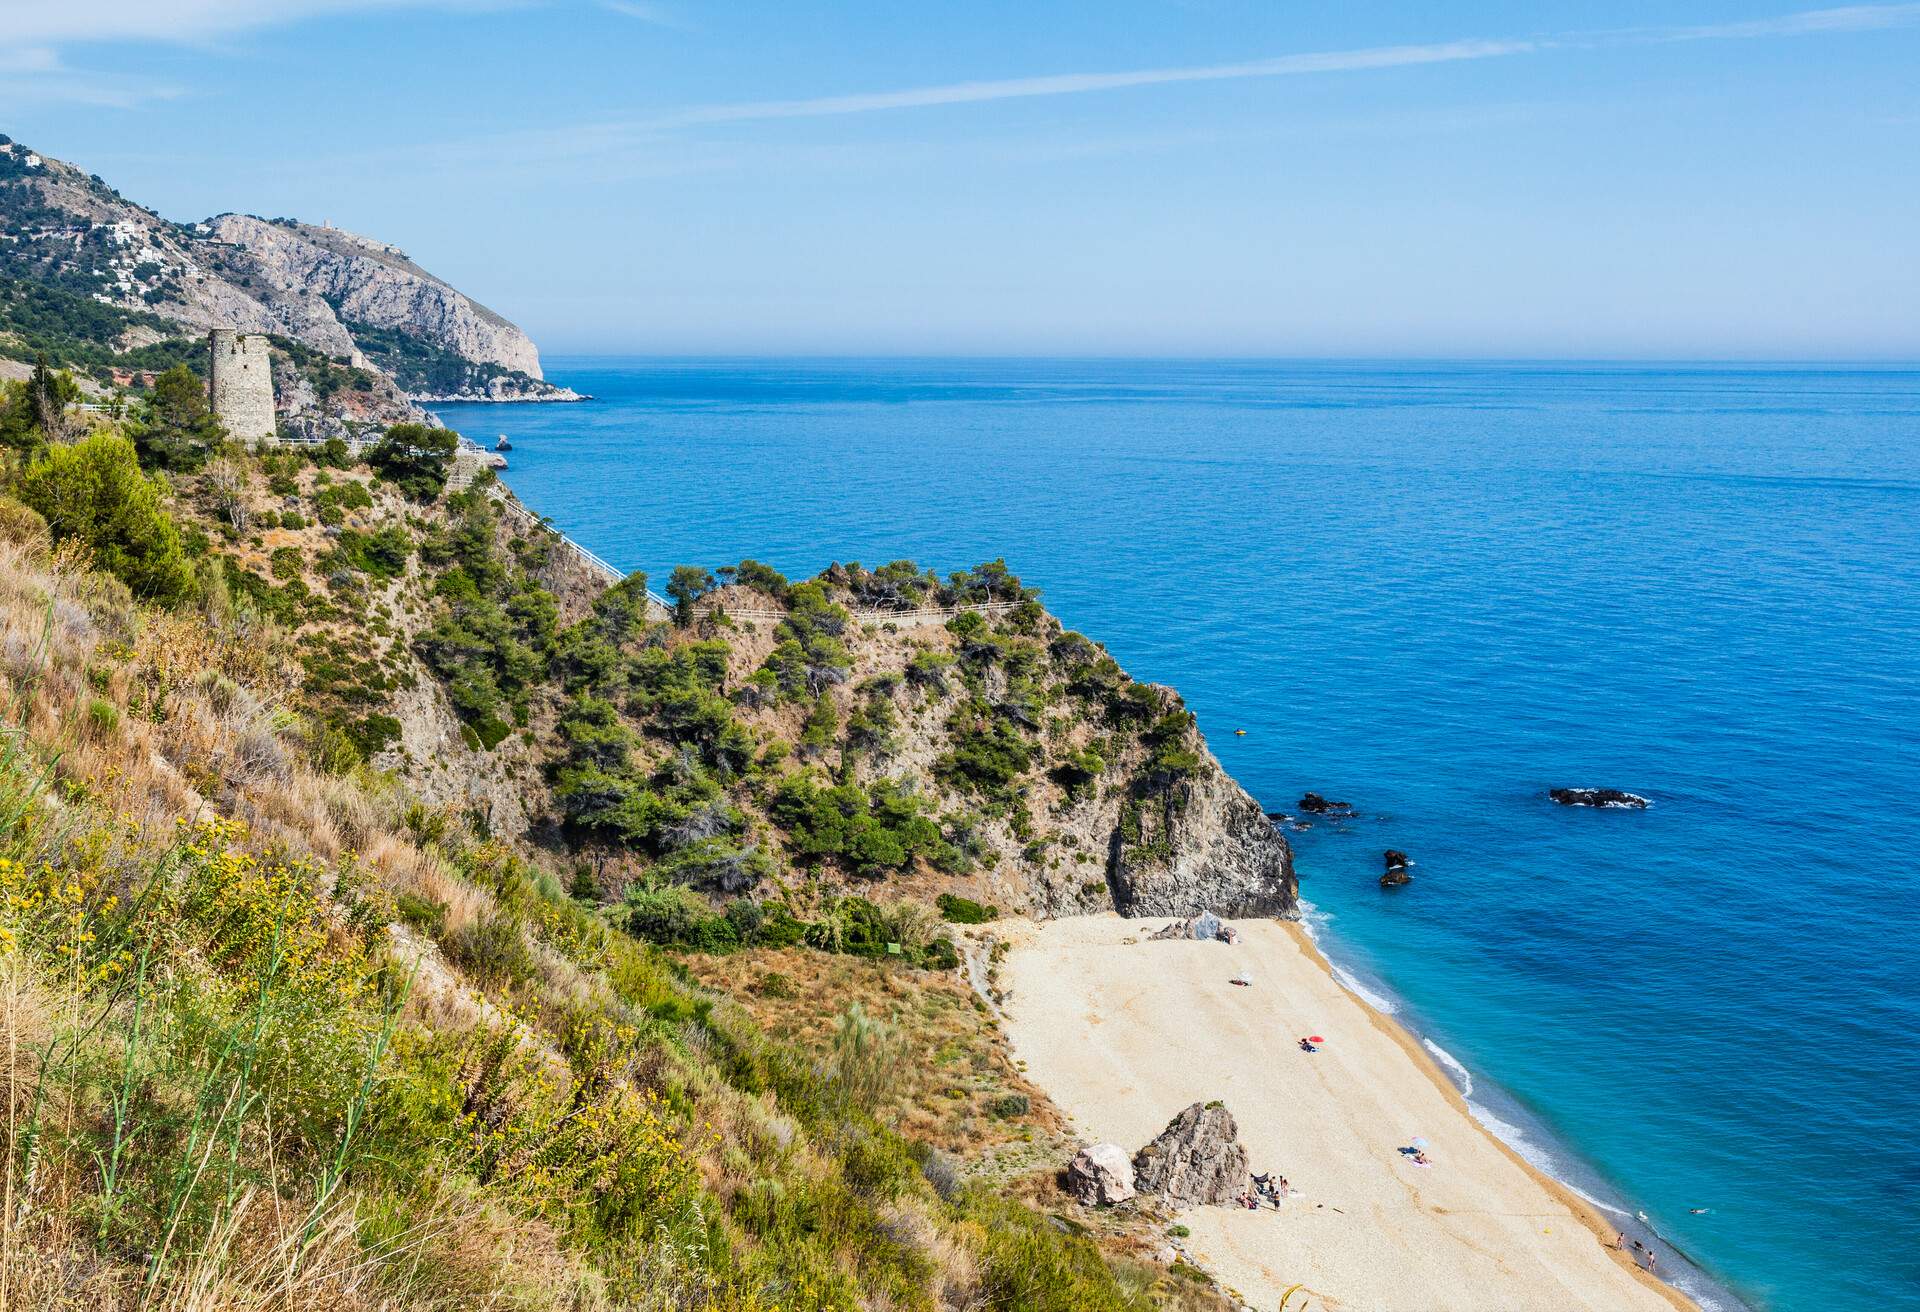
x: 358, y: 301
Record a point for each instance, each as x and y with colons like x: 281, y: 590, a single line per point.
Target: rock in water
x: 1396, y: 874
x: 1100, y: 1174
x: 1197, y: 1159
x: 1607, y: 797
x: 1314, y: 804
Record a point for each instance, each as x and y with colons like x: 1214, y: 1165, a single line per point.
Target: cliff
x: 358, y: 302
x: 790, y: 742
x: 519, y: 946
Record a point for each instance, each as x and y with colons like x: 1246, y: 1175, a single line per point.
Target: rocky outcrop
x: 1314, y: 804
x: 316, y: 285
x: 1100, y: 1175
x: 1612, y: 798
x: 1396, y: 872
x: 1198, y: 1159
x: 1205, y: 927
x: 1204, y: 845
x: 316, y: 278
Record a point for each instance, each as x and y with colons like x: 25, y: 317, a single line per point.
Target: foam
x: 1385, y: 1006
x: 1515, y: 1138
x: 1460, y: 1074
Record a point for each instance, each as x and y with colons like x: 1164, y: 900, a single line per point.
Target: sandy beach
x: 1122, y: 1035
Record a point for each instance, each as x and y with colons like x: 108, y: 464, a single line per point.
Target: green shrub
x: 415, y: 459
x: 965, y: 911
x: 1009, y: 1105
x: 103, y: 717
x: 424, y: 914
x: 94, y: 492
x: 494, y: 949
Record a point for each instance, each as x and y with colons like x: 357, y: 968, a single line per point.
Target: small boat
x: 503, y: 444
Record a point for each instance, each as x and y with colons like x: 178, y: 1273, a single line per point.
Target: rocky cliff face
x: 352, y: 298
x: 315, y: 280
x: 1206, y: 846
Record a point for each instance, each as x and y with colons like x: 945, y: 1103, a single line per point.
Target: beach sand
x: 1123, y: 1035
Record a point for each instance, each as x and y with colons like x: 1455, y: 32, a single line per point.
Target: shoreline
x: 1122, y: 1031
x: 1415, y: 1049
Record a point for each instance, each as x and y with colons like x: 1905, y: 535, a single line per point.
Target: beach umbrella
x: 1418, y: 1143
x: 1315, y: 1038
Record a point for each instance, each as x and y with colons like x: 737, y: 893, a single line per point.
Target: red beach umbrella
x: 1315, y: 1038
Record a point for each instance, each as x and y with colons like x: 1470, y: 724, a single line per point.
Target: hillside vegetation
x: 391, y: 916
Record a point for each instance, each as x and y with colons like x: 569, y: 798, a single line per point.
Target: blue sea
x: 1436, y: 591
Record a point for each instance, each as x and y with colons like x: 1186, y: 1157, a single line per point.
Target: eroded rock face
x: 1604, y: 797
x: 1198, y: 1159
x: 1205, y: 845
x: 318, y: 275
x: 1100, y: 1174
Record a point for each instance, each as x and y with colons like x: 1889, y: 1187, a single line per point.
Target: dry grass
x: 954, y: 1064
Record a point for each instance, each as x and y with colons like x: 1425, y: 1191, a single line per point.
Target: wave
x: 1460, y: 1074
x: 1385, y: 1006
x: 1516, y: 1138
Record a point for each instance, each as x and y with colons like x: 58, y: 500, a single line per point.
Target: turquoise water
x: 1437, y: 592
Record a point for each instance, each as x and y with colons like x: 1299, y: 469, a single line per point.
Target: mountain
x: 358, y: 303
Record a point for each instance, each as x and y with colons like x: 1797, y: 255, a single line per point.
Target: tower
x: 240, y: 384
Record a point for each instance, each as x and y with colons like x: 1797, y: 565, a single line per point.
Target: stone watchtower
x: 240, y: 384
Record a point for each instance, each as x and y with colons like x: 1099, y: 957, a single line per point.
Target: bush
x: 423, y: 914
x: 21, y: 523
x: 415, y: 458
x: 965, y: 911
x: 494, y: 949
x: 93, y: 492
x: 872, y: 832
x: 1009, y: 1105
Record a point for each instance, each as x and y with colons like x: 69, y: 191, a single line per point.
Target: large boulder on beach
x: 1100, y: 1174
x: 1612, y: 798
x: 1206, y: 927
x: 1198, y: 1159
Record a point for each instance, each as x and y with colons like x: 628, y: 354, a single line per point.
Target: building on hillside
x: 240, y: 384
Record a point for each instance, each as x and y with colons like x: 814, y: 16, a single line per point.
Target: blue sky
x: 1687, y: 179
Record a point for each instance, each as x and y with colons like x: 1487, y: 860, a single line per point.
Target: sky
x: 1688, y: 179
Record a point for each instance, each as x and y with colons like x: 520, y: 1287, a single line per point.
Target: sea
x: 1436, y: 591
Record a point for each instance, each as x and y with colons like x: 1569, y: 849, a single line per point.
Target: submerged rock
x: 1605, y: 797
x: 1197, y: 1159
x: 1314, y: 804
x: 1100, y: 1174
x: 1396, y: 874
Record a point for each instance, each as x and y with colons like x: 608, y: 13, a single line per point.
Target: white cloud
x: 1852, y: 18
x: 1066, y: 84
x: 43, y: 22
x: 1811, y: 22
x: 658, y: 15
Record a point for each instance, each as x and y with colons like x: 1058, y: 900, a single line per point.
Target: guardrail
x: 931, y: 615
x: 606, y: 570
